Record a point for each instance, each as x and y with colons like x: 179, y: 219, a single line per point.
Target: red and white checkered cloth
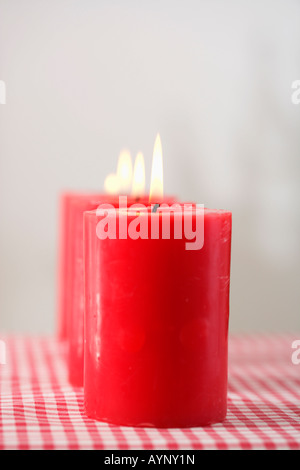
x: 40, y: 410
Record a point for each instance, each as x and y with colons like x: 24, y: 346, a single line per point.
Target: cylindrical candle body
x: 156, y: 326
x: 75, y: 271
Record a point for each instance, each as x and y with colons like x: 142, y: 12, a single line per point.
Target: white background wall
x: 86, y: 78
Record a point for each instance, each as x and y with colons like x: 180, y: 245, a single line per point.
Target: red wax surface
x: 71, y: 314
x: 156, y: 327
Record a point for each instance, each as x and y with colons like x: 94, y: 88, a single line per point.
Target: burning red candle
x: 156, y: 313
x: 156, y: 323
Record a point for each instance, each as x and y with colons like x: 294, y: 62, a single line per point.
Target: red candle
x: 74, y: 280
x: 156, y: 323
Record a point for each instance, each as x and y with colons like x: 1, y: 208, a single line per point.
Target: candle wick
x: 155, y: 207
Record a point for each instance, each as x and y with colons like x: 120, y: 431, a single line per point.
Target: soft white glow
x: 112, y: 184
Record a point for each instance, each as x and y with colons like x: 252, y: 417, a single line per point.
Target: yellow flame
x: 138, y: 183
x: 112, y: 184
x: 156, y: 186
x: 124, y: 171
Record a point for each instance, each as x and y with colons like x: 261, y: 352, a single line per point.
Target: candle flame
x: 112, y: 184
x: 156, y: 186
x: 138, y: 184
x: 124, y: 171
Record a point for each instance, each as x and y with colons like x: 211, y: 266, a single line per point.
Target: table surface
x: 40, y: 410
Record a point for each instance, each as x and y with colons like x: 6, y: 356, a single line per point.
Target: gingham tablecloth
x: 40, y: 410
